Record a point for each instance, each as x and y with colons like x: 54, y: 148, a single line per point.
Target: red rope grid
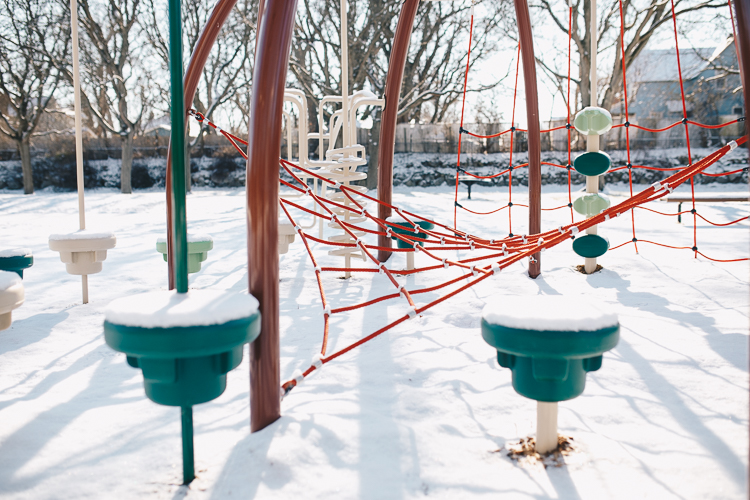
x: 509, y: 170
x: 496, y: 254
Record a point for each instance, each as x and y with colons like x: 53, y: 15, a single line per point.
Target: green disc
x: 591, y: 246
x: 591, y: 204
x: 593, y: 121
x: 592, y: 163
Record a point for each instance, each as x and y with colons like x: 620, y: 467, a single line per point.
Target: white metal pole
x: 592, y: 141
x: 79, y: 133
x: 345, y: 74
x: 546, y: 427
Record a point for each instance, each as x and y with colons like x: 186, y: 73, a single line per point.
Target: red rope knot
x: 495, y: 268
x: 412, y: 312
x: 327, y: 310
x: 381, y: 266
x: 445, y: 263
x: 317, y: 269
x: 561, y: 230
x: 297, y: 228
x: 318, y: 363
x: 471, y: 245
x: 540, y: 241
x: 732, y: 145
x: 574, y: 230
x: 474, y: 270
x: 442, y: 241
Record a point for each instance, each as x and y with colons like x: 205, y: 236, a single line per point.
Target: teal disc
x: 16, y: 263
x: 591, y: 246
x: 592, y: 163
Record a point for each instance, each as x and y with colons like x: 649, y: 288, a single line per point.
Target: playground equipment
x: 184, y: 342
x: 402, y: 227
x: 198, y: 246
x: 11, y: 297
x: 276, y: 22
x: 593, y: 122
x: 549, y: 354
x: 83, y: 251
x: 16, y: 260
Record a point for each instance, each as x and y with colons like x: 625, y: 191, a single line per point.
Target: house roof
x: 661, y: 65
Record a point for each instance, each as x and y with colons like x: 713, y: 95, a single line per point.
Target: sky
x: 549, y: 42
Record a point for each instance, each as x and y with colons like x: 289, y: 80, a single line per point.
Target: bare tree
x: 643, y: 18
x: 226, y: 72
x: 434, y: 73
x: 30, y: 32
x: 115, y: 87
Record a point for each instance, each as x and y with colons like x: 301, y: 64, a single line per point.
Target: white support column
x: 546, y: 427
x: 592, y: 141
x: 79, y: 133
x: 345, y: 74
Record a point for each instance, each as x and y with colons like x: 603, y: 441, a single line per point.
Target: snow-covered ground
x: 421, y: 411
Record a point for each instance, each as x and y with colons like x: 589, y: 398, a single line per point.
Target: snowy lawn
x: 421, y: 411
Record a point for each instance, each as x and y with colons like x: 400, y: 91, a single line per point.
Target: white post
x: 409, y: 261
x: 79, y: 132
x: 546, y: 427
x: 344, y: 74
x: 592, y: 141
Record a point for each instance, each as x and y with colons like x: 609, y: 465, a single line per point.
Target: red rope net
x: 627, y: 125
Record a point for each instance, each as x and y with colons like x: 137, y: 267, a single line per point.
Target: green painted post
x: 188, y: 455
x: 179, y: 219
x: 179, y: 222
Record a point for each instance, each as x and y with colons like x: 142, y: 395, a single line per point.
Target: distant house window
x: 737, y: 110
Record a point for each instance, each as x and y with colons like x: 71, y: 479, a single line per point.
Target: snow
x: 8, y: 279
x: 82, y: 234
x: 168, y: 309
x: 422, y: 411
x: 15, y: 252
x: 192, y: 238
x: 549, y: 312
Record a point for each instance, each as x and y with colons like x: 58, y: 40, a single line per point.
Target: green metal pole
x: 179, y: 222
x: 188, y: 454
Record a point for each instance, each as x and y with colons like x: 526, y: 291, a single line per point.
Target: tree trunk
x: 24, y: 149
x: 126, y: 167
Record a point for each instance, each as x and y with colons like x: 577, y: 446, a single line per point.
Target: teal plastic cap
x: 547, y: 344
x: 592, y: 163
x: 402, y: 227
x: 183, y: 364
x: 591, y: 246
x: 16, y: 263
x: 593, y: 121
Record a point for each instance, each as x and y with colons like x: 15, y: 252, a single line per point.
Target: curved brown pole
x: 742, y: 11
x: 264, y: 143
x: 534, y: 135
x: 192, y: 76
x: 387, y: 145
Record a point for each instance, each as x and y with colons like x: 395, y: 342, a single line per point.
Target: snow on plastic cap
x: 168, y: 309
x: 593, y: 121
x: 561, y: 313
x: 15, y: 252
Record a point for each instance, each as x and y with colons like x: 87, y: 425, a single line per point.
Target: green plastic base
x: 197, y: 253
x: 549, y: 365
x: 591, y: 246
x: 400, y: 230
x: 549, y: 379
x: 16, y: 264
x: 184, y: 366
x: 186, y: 381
